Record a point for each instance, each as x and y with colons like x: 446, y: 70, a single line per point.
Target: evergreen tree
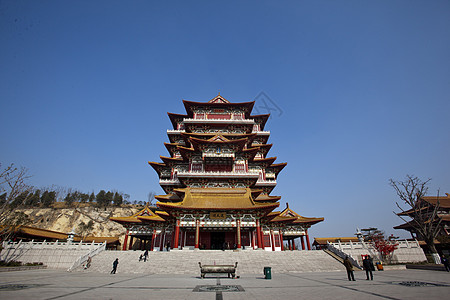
x: 101, y: 198
x: 48, y: 198
x: 20, y: 200
x: 84, y: 197
x: 109, y: 198
x: 92, y: 198
x: 118, y: 199
x: 69, y: 199
x: 2, y: 198
x: 34, y: 199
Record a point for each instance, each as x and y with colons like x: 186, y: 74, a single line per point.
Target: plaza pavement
x: 55, y: 284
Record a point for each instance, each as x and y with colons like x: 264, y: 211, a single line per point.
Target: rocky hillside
x: 67, y: 219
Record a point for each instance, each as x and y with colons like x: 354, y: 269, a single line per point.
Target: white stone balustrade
x: 169, y: 182
x: 266, y: 183
x: 174, y: 131
x: 56, y: 255
x: 261, y: 132
x: 407, y: 251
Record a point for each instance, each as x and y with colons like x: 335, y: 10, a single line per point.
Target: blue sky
x: 362, y: 89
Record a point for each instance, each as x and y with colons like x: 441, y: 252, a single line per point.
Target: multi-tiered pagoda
x: 217, y: 182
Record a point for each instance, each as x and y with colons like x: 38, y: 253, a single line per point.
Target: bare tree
x: 85, y: 228
x: 15, y: 192
x: 424, y: 217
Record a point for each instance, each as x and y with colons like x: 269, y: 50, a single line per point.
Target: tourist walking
x: 349, y: 267
x: 88, y: 263
x: 444, y: 261
x: 368, y: 266
x: 115, y: 263
x: 168, y: 246
x: 145, y: 255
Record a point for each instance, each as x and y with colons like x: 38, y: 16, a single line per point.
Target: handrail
x: 83, y: 258
x: 343, y: 255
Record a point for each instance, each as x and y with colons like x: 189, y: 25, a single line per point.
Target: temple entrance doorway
x: 217, y: 240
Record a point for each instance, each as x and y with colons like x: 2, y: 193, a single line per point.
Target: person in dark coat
x: 368, y: 266
x: 444, y: 261
x: 145, y: 255
x: 115, y: 263
x: 88, y: 263
x: 349, y: 267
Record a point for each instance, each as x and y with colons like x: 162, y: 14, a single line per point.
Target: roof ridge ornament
x: 218, y: 99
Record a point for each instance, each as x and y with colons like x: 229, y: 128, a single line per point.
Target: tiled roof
x: 217, y: 199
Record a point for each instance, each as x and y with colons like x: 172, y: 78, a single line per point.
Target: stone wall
x: 53, y: 255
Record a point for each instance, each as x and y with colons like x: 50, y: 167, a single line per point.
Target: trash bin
x: 267, y: 273
x: 379, y: 266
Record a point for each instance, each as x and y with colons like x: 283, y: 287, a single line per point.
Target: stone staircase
x: 186, y: 261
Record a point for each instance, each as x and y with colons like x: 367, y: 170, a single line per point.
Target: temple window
x: 239, y: 167
x: 197, y: 167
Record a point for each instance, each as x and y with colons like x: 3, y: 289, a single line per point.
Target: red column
x: 303, y: 243
x: 182, y: 239
x: 273, y: 239
x: 177, y: 233
x: 262, y: 238
x: 131, y: 242
x: 307, y: 240
x: 252, y: 236
x: 125, y: 242
x: 258, y: 234
x: 238, y: 233
x: 289, y: 244
x: 162, y: 234
x: 293, y: 244
x: 281, y: 240
x: 153, y: 239
x: 197, y: 233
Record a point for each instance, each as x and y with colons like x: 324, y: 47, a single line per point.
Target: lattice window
x: 277, y: 240
x: 239, y: 168
x: 197, y: 167
x: 219, y: 116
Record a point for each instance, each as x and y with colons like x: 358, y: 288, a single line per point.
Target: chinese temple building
x: 217, y: 181
x: 424, y: 212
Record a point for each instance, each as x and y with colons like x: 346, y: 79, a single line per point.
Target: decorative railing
x: 266, y: 182
x: 242, y: 121
x: 83, y: 258
x: 50, y: 245
x: 342, y: 255
x: 359, y: 245
x: 206, y: 154
x: 218, y: 174
x: 261, y: 132
x: 175, y: 131
x: 169, y: 181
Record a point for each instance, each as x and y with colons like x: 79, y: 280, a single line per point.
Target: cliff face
x: 68, y: 219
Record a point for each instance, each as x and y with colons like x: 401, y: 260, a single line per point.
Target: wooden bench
x: 218, y: 269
